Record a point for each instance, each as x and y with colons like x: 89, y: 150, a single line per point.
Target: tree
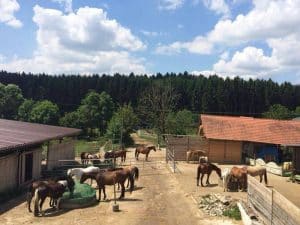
x: 122, y: 124
x: 96, y: 110
x: 44, y: 112
x: 183, y: 122
x: 11, y: 98
x: 279, y: 112
x: 25, y: 110
x: 72, y: 119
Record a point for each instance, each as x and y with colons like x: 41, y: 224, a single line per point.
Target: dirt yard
x: 159, y: 198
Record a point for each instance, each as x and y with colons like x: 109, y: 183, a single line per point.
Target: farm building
x: 236, y: 139
x: 21, y: 150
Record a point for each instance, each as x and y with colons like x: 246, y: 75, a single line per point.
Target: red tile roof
x: 281, y: 132
x: 15, y: 134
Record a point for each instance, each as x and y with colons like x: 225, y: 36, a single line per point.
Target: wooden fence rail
x: 272, y: 207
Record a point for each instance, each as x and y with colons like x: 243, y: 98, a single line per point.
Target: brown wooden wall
x: 8, y: 172
x: 36, y: 167
x: 221, y: 151
x: 297, y: 158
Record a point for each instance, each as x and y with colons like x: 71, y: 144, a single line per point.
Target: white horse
x: 225, y: 178
x: 77, y: 172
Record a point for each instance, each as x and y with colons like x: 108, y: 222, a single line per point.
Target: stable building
x: 237, y: 139
x: 22, y: 151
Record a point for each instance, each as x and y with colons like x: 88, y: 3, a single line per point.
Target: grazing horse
x: 112, y: 178
x: 207, y: 168
x: 240, y: 174
x: 77, y: 172
x: 225, y: 178
x: 65, y: 181
x: 87, y: 157
x: 258, y: 171
x: 116, y: 154
x: 144, y: 150
x: 192, y: 153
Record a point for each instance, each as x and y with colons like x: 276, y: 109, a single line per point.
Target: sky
x: 250, y: 39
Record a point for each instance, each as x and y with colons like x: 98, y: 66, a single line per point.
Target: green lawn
x: 88, y: 146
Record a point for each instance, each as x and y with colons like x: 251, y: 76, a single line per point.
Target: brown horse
x: 87, y: 157
x: 54, y: 190
x: 207, y: 168
x: 191, y: 154
x: 112, y: 178
x: 66, y: 181
x: 134, y: 172
x: 240, y: 174
x: 116, y: 154
x: 144, y: 150
x: 258, y: 171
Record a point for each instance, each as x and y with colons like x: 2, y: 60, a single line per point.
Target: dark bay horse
x: 144, y: 150
x: 116, y: 154
x: 87, y: 157
x: 207, y: 168
x: 239, y: 174
x: 112, y: 178
x: 54, y: 190
x: 65, y: 180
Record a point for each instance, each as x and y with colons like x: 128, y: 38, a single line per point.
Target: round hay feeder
x: 83, y: 196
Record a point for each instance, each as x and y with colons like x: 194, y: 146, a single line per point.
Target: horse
x: 115, y: 154
x: 192, y: 153
x: 77, y: 172
x: 87, y: 157
x: 258, y: 171
x: 207, y: 168
x: 144, y: 150
x: 134, y: 172
x: 66, y: 181
x: 241, y: 175
x: 225, y: 178
x: 112, y: 178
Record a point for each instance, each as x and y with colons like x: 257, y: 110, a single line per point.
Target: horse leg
x: 57, y: 204
x: 202, y: 175
x: 41, y: 205
x: 118, y: 186
x: 122, y: 190
x: 29, y: 198
x: 104, y: 193
x: 260, y: 178
x: 207, y: 179
x: 146, y: 156
x: 137, y: 156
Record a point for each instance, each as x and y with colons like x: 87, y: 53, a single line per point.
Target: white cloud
x: 218, y: 6
x: 152, y: 33
x: 86, y: 41
x: 7, y: 10
x: 180, y: 26
x: 170, y: 4
x: 199, y: 45
x: 66, y: 3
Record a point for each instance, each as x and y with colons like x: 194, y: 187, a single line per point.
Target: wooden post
x: 174, y: 160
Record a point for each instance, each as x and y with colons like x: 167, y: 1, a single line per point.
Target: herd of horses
x: 54, y: 188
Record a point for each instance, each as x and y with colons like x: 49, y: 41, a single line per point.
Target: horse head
x: 152, y: 147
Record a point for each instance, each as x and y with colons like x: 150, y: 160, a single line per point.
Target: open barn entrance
x: 28, y: 166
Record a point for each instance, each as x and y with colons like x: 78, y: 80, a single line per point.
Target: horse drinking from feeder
x: 77, y: 172
x: 87, y: 157
x: 207, y: 168
x: 144, y: 150
x: 240, y: 175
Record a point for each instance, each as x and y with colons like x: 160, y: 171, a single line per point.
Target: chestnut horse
x: 87, y: 157
x: 116, y: 154
x: 207, y: 168
x: 66, y: 181
x: 144, y: 150
x: 112, y: 178
x: 240, y: 174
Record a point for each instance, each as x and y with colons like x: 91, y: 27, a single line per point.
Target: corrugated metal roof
x: 281, y: 132
x: 14, y: 134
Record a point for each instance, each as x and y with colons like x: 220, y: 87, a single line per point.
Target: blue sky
x: 257, y: 39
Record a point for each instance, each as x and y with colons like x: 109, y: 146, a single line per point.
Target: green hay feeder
x: 83, y: 196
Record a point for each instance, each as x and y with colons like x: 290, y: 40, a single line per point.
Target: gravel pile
x: 216, y: 204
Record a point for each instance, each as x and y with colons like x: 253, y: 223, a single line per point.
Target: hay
x: 84, y: 195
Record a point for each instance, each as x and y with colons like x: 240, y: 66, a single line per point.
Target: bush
x: 233, y: 212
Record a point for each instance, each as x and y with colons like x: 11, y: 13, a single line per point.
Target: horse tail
x: 36, y: 202
x: 131, y: 182
x: 136, y: 173
x: 135, y: 153
x: 265, y: 176
x: 198, y: 174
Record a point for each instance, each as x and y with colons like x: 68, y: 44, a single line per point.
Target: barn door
x: 28, y: 166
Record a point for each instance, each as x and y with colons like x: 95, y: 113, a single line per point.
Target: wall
x: 36, y: 168
x: 59, y: 151
x: 221, y: 151
x: 8, y: 174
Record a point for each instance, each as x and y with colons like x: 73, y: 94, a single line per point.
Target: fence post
x: 272, y: 206
x: 174, y: 160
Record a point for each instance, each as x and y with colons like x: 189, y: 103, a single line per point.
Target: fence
x: 180, y: 144
x: 271, y: 206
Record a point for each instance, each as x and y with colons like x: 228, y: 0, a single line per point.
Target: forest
x: 170, y: 103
